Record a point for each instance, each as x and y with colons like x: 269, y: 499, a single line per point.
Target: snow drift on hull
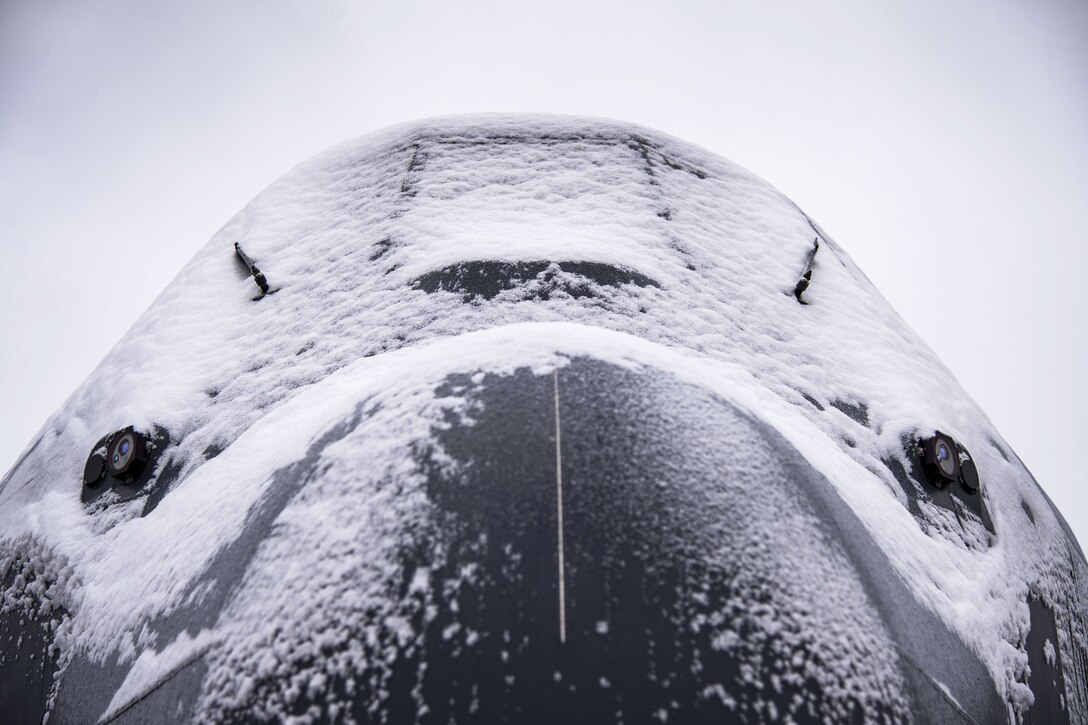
x: 529, y: 419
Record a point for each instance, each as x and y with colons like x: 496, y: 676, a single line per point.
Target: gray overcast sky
x: 943, y: 144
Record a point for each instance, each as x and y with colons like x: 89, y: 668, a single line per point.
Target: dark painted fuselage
x: 531, y: 421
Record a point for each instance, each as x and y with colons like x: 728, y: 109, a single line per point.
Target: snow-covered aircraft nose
x: 618, y: 545
x: 508, y: 419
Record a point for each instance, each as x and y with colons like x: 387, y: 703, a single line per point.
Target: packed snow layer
x: 349, y: 330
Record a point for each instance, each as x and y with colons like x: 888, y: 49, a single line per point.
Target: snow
x: 149, y: 668
x: 344, y: 336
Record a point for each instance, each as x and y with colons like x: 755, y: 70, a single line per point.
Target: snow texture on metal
x: 523, y: 422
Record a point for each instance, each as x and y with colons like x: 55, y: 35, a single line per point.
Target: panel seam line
x: 559, y: 515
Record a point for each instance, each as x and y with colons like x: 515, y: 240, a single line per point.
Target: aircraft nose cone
x: 618, y: 546
x: 592, y: 544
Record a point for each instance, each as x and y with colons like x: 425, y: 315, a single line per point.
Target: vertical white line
x: 559, y: 516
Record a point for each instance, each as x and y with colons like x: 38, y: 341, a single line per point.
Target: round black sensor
x: 94, y: 470
x: 940, y: 459
x: 969, y: 476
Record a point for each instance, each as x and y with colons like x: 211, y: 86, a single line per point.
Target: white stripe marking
x: 559, y: 516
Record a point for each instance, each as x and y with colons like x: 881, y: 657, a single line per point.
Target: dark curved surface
x: 682, y: 519
x: 645, y: 600
x: 28, y: 661
x: 1047, y: 680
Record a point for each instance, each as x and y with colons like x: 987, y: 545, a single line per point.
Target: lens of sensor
x: 945, y: 459
x: 940, y: 459
x: 127, y: 454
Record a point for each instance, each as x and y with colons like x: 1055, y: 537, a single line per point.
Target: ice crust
x: 344, y: 336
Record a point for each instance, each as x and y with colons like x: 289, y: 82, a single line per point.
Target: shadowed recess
x: 540, y: 279
x: 856, y: 411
